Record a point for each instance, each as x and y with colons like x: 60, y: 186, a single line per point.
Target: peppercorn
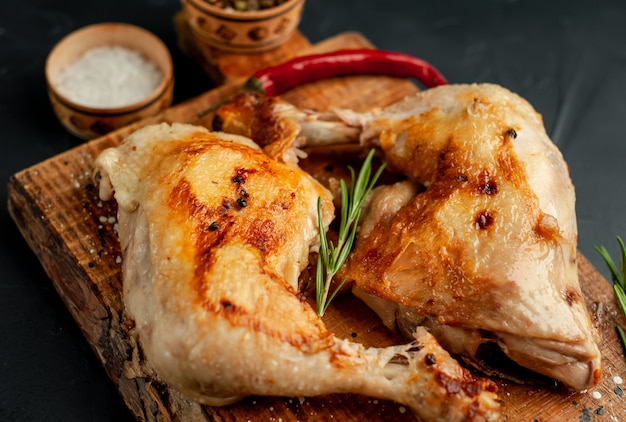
x: 430, y: 359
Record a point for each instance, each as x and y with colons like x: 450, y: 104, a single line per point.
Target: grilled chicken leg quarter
x: 486, y: 254
x: 214, y: 234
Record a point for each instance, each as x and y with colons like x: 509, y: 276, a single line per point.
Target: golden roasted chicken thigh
x: 214, y: 234
x: 479, y: 242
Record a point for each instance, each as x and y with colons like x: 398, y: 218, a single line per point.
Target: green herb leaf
x: 622, y: 263
x: 621, y: 297
x: 622, y: 335
x: 331, y: 257
x: 618, y: 277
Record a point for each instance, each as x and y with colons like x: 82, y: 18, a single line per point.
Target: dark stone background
x: 567, y: 57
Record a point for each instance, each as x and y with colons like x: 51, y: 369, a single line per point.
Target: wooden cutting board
x: 56, y: 207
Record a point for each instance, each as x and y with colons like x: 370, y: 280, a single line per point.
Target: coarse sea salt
x: 109, y: 77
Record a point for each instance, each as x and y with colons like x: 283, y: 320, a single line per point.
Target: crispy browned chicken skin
x: 214, y: 234
x: 486, y: 254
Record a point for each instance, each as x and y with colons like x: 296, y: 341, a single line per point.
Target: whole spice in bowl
x: 246, y: 5
x: 242, y: 26
x: 106, y: 76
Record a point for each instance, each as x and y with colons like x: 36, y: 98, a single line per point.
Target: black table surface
x: 568, y: 58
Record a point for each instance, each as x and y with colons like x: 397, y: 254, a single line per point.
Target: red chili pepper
x: 278, y: 79
x: 275, y: 80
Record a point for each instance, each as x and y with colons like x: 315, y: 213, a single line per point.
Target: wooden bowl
x: 89, y: 122
x: 242, y: 32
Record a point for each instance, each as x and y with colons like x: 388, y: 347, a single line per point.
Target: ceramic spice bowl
x: 106, y: 76
x: 242, y: 31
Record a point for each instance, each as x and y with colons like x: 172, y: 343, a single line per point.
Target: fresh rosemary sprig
x: 331, y: 257
x: 618, y: 275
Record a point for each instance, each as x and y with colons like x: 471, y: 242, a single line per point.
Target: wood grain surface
x: 72, y: 232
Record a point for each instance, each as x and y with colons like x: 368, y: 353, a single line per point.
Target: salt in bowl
x: 106, y: 76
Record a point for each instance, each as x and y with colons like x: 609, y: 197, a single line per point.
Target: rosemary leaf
x: 332, y: 296
x: 622, y: 263
x: 621, y: 297
x: 619, y: 279
x: 622, y: 335
x: 319, y: 279
x: 615, y: 274
x: 331, y: 257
